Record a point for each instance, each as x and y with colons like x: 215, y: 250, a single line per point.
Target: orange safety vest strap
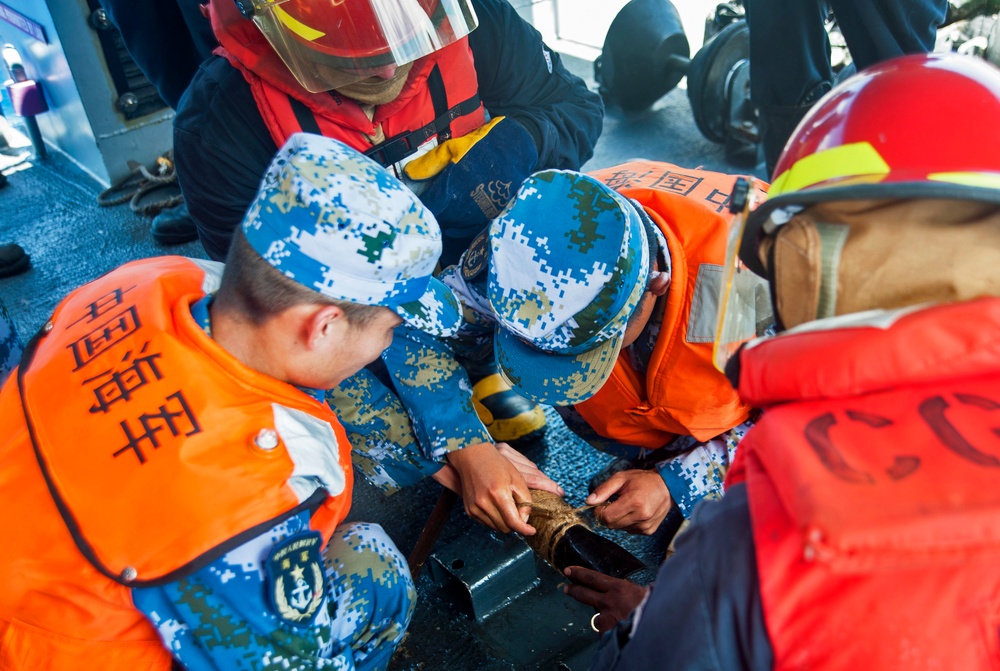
x: 681, y: 393
x: 400, y: 146
x: 170, y: 473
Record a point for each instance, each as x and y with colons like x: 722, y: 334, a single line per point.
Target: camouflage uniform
x: 220, y: 617
x: 425, y: 373
x: 391, y: 447
x: 390, y: 451
x: 690, y: 476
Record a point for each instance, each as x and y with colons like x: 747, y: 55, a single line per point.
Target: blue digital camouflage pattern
x: 691, y: 476
x: 220, y: 618
x: 224, y: 617
x: 568, y: 264
x: 392, y: 448
x: 422, y: 367
x: 339, y: 223
x: 701, y: 473
x: 10, y: 344
x: 384, y: 447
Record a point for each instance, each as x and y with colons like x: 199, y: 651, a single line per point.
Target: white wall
x: 578, y: 27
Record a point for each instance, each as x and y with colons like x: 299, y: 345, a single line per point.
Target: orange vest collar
x: 282, y: 101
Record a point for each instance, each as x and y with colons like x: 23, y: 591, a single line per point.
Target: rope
x: 552, y: 517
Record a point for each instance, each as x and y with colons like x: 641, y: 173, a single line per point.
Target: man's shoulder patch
x: 296, y: 583
x: 475, y: 258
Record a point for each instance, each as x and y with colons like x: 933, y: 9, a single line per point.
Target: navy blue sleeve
x: 704, y: 611
x: 522, y: 78
x: 222, y: 149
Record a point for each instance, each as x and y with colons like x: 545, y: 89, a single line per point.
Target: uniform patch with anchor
x: 295, y: 575
x: 474, y: 261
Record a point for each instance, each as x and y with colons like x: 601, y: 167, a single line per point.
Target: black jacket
x: 222, y: 147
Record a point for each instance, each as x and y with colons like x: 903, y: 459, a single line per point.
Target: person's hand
x: 533, y: 476
x: 642, y: 502
x: 492, y: 487
x: 612, y: 598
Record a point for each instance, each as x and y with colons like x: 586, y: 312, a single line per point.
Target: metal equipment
x: 645, y: 55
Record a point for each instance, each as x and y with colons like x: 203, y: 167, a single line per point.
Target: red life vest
x: 872, y: 481
x: 681, y: 393
x: 137, y: 451
x: 439, y: 100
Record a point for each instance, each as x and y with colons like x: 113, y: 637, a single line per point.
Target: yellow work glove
x: 450, y: 151
x: 468, y: 180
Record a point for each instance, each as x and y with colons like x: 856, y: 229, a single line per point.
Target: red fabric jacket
x: 872, y: 481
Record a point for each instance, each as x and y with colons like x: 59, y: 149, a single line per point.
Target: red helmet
x: 921, y: 126
x: 329, y: 43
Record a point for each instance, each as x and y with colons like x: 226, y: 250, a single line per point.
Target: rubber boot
x: 173, y: 226
x: 508, y: 416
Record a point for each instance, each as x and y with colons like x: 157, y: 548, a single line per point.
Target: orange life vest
x: 872, y: 481
x: 138, y: 451
x: 439, y: 100
x: 681, y: 393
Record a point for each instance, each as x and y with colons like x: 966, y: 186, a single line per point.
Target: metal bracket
x: 491, y: 571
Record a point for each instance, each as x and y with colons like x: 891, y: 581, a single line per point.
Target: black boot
x: 173, y: 226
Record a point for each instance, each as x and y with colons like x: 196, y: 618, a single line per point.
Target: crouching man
x: 176, y: 485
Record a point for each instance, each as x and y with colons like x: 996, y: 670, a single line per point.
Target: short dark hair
x: 654, y: 252
x: 257, y: 290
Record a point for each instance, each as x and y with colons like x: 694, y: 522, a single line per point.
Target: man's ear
x: 324, y: 323
x: 658, y: 284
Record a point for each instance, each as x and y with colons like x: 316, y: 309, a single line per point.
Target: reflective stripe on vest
x: 876, y: 511
x: 681, y: 393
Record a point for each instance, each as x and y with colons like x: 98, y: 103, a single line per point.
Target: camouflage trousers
x: 10, y: 344
x: 221, y: 617
x: 368, y: 580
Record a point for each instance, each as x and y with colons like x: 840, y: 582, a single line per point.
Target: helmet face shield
x: 327, y: 44
x: 745, y: 301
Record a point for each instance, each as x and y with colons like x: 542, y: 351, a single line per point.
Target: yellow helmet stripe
x: 860, y: 158
x: 989, y: 180
x: 307, y: 33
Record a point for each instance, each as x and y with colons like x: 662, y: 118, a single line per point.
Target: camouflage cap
x: 567, y: 268
x: 339, y: 223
